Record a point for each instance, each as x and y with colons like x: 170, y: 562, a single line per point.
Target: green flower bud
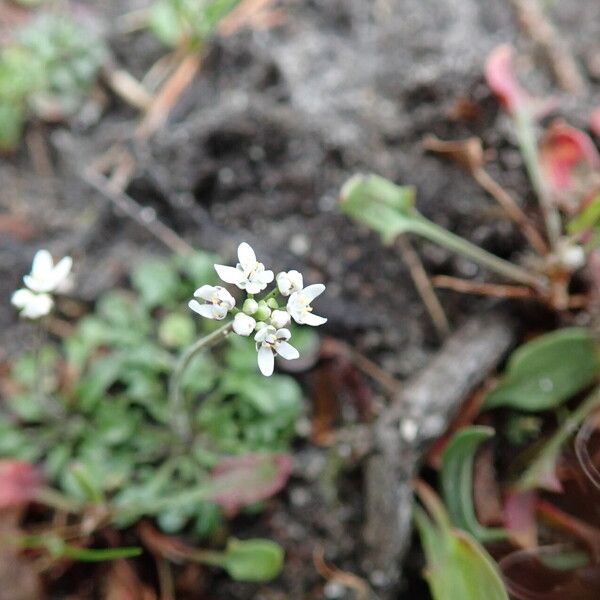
x: 263, y: 312
x: 272, y: 303
x: 250, y: 306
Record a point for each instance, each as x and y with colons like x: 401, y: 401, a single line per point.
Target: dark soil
x: 257, y: 150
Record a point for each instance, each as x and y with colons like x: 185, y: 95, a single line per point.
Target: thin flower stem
x: 179, y: 416
x: 445, y: 238
x: 528, y: 146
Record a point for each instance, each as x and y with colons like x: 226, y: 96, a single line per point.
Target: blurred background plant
x: 46, y: 72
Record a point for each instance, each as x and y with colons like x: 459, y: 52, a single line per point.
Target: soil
x: 257, y: 149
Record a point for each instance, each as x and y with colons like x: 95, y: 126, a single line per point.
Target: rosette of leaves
x: 97, y: 411
x: 48, y: 71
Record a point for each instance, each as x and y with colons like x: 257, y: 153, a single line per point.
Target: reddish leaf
x: 242, y: 480
x: 566, y: 154
x: 19, y: 483
x: 502, y: 81
x: 519, y: 518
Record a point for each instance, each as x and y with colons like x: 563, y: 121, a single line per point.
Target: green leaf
x: 457, y: 482
x: 586, y: 219
x: 379, y: 203
x: 546, y: 372
x: 100, y: 555
x: 86, y: 483
x: 12, y: 123
x: 58, y: 548
x: 157, y: 282
x: 177, y: 330
x: 256, y: 560
x: 458, y: 567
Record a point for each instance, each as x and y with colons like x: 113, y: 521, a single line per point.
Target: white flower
x: 299, y: 305
x: 280, y: 318
x: 271, y: 341
x: 289, y: 282
x: 248, y: 274
x: 45, y: 276
x: 218, y: 302
x: 243, y: 324
x: 32, y: 305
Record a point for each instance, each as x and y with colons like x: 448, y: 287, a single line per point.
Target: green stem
x: 528, y: 147
x: 439, y: 235
x: 210, y: 557
x: 179, y: 416
x: 55, y: 499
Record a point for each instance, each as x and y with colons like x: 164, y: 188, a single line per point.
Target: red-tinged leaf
x: 519, y: 518
x: 19, y: 483
x: 595, y: 122
x: 567, y: 154
x: 502, y: 81
x: 242, y: 480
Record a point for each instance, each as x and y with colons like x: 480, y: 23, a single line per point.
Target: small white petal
x: 21, y: 297
x: 204, y: 310
x: 246, y: 256
x: 225, y: 297
x: 229, y: 274
x: 219, y: 311
x: 42, y: 264
x: 205, y: 292
x: 243, y: 324
x: 62, y: 270
x: 312, y: 291
x: 254, y: 287
x: 313, y: 320
x: 287, y: 351
x: 266, y: 361
x: 32, y: 306
x: 283, y: 334
x: 266, y: 277
x: 263, y: 332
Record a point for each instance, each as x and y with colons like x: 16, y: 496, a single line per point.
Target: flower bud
x: 243, y: 324
x: 263, y: 312
x: 250, y: 306
x: 280, y: 318
x: 272, y: 303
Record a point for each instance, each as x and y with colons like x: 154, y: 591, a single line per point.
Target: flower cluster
x: 267, y: 317
x: 35, y: 300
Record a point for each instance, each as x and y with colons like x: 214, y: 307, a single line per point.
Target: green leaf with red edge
x: 458, y: 567
x: 457, y: 482
x: 243, y: 480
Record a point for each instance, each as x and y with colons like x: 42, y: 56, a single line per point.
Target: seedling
x: 47, y: 72
x: 389, y: 209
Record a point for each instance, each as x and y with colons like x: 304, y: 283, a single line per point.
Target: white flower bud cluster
x: 266, y: 317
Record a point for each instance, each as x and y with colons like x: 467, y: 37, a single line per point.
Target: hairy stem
x: 179, y: 416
